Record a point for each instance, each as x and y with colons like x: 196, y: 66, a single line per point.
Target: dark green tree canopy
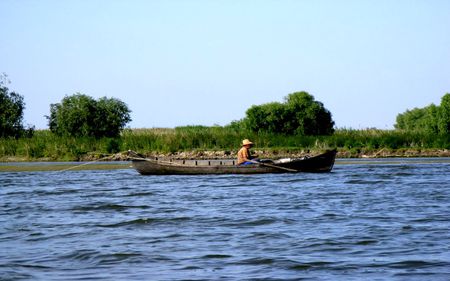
x: 81, y: 115
x: 444, y: 115
x: 299, y: 114
x: 12, y: 106
x: 432, y: 119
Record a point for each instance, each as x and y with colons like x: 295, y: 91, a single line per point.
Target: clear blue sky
x: 206, y: 62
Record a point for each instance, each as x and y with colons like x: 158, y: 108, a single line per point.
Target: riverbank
x: 221, y: 142
x: 266, y: 154
x: 274, y: 154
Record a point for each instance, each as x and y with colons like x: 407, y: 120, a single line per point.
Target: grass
x: 46, y: 146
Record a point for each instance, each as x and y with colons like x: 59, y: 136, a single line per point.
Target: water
x: 367, y: 220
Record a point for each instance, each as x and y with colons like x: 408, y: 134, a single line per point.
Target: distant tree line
x: 77, y: 115
x: 433, y: 119
x: 299, y: 114
x: 80, y: 115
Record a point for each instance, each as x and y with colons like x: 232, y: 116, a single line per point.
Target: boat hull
x: 317, y: 164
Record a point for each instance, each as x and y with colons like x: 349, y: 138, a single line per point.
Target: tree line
x: 433, y: 119
x: 80, y: 115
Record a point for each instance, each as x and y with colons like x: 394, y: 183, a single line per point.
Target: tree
x: 12, y: 106
x: 81, y: 115
x: 444, y: 115
x: 411, y: 120
x: 111, y: 117
x: 299, y: 114
x: 266, y: 118
x: 432, y: 119
x: 310, y: 117
x: 74, y: 116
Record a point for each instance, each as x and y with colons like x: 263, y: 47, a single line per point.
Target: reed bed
x: 46, y: 146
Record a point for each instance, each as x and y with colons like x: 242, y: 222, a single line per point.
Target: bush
x: 300, y: 114
x: 81, y: 116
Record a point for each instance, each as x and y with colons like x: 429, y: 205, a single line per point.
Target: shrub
x: 80, y: 115
x: 300, y: 114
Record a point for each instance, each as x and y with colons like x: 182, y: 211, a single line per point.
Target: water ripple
x: 363, y: 221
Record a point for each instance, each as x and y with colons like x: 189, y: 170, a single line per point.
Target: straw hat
x: 247, y: 142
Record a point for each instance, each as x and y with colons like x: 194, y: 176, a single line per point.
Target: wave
x: 96, y: 257
x: 144, y: 221
x: 216, y: 256
x: 106, y: 207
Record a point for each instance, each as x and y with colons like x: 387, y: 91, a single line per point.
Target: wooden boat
x: 315, y: 164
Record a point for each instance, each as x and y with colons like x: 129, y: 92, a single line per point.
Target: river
x: 383, y: 219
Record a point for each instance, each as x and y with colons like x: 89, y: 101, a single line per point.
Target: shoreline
x: 268, y: 154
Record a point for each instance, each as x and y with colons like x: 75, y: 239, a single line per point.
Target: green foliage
x: 49, y: 146
x: 237, y: 126
x: 300, y: 114
x: 444, y: 115
x: 431, y: 119
x: 310, y: 116
x: 81, y: 116
x: 266, y: 118
x: 111, y: 117
x: 374, y: 140
x: 415, y: 119
x: 12, y: 106
x: 74, y: 116
x: 113, y: 145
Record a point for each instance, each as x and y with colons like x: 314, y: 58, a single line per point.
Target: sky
x: 177, y: 63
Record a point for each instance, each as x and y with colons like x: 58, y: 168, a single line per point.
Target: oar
x: 273, y: 166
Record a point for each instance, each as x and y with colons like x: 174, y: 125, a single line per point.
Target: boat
x: 153, y: 166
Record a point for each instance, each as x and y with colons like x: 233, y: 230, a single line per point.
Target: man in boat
x: 244, y: 155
